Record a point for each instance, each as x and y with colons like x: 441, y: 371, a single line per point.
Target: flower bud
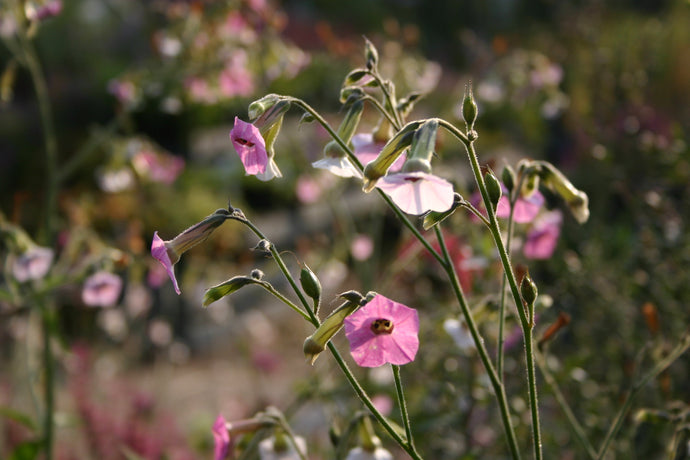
x: 371, y: 55
x: 355, y: 76
x: 390, y: 152
x: 316, y: 343
x: 310, y: 283
x: 235, y: 283
x: 351, y: 93
x: 508, y: 177
x: 469, y: 107
x: 424, y: 141
x: 260, y: 106
x: 528, y: 289
x: 493, y: 187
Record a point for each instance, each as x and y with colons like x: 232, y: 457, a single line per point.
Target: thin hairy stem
x: 403, y: 405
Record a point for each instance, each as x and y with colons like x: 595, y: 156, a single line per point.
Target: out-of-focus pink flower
x: 526, y: 208
x: 361, y: 247
x: 124, y: 91
x: 159, y: 167
x: 418, y: 192
x: 200, y: 91
x: 383, y: 403
x: 307, y: 189
x: 33, y: 264
x: 102, y: 289
x: 221, y: 439
x: 543, y: 236
x: 235, y: 79
x: 250, y: 146
x: 383, y: 331
x: 42, y: 11
x: 366, y: 150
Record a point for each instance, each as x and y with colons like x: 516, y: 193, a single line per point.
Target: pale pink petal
x: 250, y: 146
x: 526, y: 209
x: 33, y: 264
x: 340, y: 166
x: 160, y: 253
x: 418, y: 192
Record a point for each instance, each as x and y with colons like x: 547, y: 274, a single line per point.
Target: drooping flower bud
x: 390, y: 152
x: 260, y: 106
x: 577, y: 200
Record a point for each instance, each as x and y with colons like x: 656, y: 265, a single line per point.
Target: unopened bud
x: 316, y: 343
x: 577, y: 200
x: 310, y: 283
x: 370, y: 54
x: 260, y: 106
x: 349, y: 125
x: 528, y: 289
x: 493, y: 187
x: 257, y: 274
x: 469, y: 107
x: 508, y: 177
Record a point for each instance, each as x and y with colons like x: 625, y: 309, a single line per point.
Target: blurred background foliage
x: 598, y: 88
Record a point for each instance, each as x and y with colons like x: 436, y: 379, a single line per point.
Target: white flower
x: 361, y: 454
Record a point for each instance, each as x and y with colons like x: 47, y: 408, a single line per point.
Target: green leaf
x: 18, y: 417
x: 27, y: 450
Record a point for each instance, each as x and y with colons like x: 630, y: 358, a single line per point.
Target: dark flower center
x: 239, y: 140
x: 412, y: 179
x: 382, y: 326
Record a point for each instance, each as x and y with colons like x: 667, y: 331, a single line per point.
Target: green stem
x: 389, y: 99
x: 403, y: 405
x: 286, y: 301
x: 496, y: 382
x: 525, y: 322
x: 381, y: 109
x: 681, y: 348
x: 502, y: 303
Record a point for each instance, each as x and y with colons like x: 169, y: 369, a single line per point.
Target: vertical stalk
x: 403, y: 405
x: 502, y: 304
x: 51, y: 154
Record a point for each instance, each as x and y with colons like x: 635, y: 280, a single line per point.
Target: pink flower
x: 159, y: 167
x: 235, y: 79
x: 307, y: 189
x: 366, y: 150
x: 250, y: 146
x: 102, y: 289
x: 526, y: 209
x: 161, y: 253
x: 543, y: 236
x: 221, y: 438
x: 33, y: 264
x: 417, y: 192
x: 362, y: 247
x: 383, y: 331
x: 47, y: 10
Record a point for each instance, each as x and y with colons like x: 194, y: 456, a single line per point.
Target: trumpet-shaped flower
x: 33, y: 264
x: 250, y: 146
x: 418, y: 192
x: 383, y: 331
x: 102, y: 289
x: 543, y: 236
x: 221, y: 439
x: 163, y: 255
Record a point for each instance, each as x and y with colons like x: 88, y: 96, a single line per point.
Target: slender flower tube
x: 168, y: 252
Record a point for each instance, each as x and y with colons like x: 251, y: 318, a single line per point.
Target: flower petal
x: 418, y: 192
x: 250, y: 146
x: 160, y: 253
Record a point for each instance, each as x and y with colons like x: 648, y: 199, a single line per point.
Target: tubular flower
x: 221, y: 439
x: 383, y: 331
x: 418, y: 192
x: 250, y: 146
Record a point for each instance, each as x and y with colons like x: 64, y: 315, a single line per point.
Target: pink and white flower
x: 33, y: 264
x: 102, y: 289
x: 418, y: 192
x: 383, y: 331
x: 250, y: 146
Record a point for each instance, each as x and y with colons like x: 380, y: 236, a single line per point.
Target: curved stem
x: 381, y: 109
x: 388, y: 97
x: 285, y: 300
